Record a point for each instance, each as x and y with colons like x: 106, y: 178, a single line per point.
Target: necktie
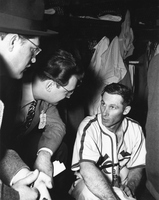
x: 30, y: 114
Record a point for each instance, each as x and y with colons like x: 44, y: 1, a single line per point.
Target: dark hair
x: 60, y: 67
x: 122, y: 90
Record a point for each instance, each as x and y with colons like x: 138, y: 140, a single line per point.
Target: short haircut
x: 60, y: 67
x: 122, y: 90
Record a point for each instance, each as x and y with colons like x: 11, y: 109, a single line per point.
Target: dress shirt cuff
x: 45, y: 149
x: 20, y: 175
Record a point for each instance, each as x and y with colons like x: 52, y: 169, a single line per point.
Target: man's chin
x: 105, y: 121
x: 13, y: 74
x: 16, y: 76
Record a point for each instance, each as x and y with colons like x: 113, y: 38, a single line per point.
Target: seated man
x: 109, y: 150
x: 37, y: 138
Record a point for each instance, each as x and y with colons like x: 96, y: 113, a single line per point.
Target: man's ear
x: 13, y: 39
x: 49, y: 85
x: 127, y: 110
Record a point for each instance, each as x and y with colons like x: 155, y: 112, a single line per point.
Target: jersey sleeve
x: 85, y: 146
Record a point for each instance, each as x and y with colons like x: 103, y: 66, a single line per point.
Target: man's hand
x: 24, y: 189
x: 40, y: 185
x: 134, y: 178
x: 43, y: 164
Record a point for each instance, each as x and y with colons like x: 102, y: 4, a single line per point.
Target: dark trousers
x: 146, y: 195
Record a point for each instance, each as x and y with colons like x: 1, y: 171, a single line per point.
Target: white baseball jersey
x: 95, y: 143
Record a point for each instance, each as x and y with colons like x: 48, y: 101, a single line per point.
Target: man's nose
x: 68, y: 96
x: 106, y: 111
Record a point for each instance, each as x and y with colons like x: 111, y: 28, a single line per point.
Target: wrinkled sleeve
x: 85, y: 146
x: 54, y: 130
x: 10, y: 165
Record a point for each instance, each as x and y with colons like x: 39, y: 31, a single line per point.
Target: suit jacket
x: 51, y: 138
x: 6, y: 192
x: 54, y: 129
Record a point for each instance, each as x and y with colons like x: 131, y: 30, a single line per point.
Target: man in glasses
x: 109, y: 150
x: 20, y: 29
x: 39, y: 141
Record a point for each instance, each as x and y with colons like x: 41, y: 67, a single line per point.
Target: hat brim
x: 19, y: 25
x: 28, y: 32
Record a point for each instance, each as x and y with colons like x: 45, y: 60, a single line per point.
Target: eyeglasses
x: 68, y: 92
x: 35, y: 51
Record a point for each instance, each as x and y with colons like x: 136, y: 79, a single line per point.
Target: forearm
x: 44, y: 165
x: 43, y: 162
x: 97, y: 182
x: 134, y: 178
